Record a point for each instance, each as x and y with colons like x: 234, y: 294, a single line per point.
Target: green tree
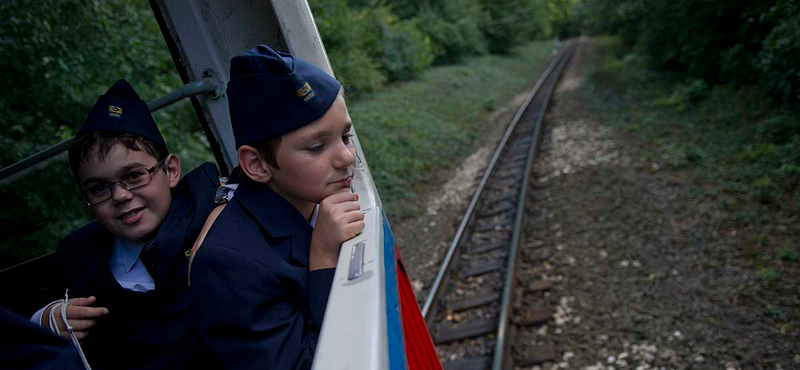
x: 562, y: 17
x: 512, y: 22
x: 737, y: 42
x: 453, y: 26
x: 777, y: 61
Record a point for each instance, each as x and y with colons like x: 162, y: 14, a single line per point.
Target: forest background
x: 59, y: 56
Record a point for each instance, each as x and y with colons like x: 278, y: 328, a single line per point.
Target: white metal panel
x: 354, y: 332
x: 299, y: 30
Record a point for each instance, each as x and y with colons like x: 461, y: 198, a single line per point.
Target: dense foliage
x: 738, y: 42
x: 375, y: 42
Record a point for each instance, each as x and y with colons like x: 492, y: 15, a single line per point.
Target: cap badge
x: 306, y: 92
x: 114, y: 111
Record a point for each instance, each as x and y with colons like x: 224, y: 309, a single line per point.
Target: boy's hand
x: 80, y: 315
x: 339, y: 219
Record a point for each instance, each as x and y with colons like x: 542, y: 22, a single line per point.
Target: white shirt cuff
x: 37, y: 317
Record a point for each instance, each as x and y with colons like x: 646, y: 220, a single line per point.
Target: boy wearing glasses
x: 128, y: 270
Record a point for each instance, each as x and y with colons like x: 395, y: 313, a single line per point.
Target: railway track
x: 471, y: 304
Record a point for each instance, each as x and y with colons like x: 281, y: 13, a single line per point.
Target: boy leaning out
x: 262, y: 275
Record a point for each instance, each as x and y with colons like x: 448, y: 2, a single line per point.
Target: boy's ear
x: 253, y: 165
x: 173, y: 166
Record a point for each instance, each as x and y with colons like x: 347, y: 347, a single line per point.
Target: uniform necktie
x: 148, y: 258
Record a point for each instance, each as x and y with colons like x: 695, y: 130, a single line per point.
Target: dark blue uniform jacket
x: 256, y: 303
x: 150, y: 330
x: 24, y: 345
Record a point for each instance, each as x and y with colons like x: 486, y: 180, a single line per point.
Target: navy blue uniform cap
x: 272, y: 93
x: 121, y: 109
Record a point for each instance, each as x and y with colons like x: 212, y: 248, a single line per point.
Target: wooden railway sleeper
x: 493, y: 226
x: 473, y: 363
x: 473, y: 301
x: 485, y: 267
x: 486, y: 247
x: 500, y: 198
x: 446, y: 333
x: 503, y: 208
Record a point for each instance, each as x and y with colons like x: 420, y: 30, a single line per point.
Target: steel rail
x: 502, y: 340
x: 206, y: 85
x: 428, y: 311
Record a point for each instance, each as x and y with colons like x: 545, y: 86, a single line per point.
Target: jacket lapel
x: 171, y: 235
x: 102, y: 250
x: 192, y: 201
x: 278, y: 218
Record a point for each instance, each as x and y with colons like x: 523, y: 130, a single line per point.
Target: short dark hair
x: 268, y: 149
x: 98, y: 143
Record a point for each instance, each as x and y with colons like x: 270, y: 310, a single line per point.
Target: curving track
x: 471, y: 303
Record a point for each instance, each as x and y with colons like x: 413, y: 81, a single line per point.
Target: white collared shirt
x: 127, y: 267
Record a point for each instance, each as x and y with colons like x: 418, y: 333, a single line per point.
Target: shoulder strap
x: 202, y: 236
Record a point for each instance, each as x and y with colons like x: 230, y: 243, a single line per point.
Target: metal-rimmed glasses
x: 135, y: 179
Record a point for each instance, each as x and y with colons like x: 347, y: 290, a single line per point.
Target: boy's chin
x: 142, y: 232
x: 138, y: 235
x: 339, y: 188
